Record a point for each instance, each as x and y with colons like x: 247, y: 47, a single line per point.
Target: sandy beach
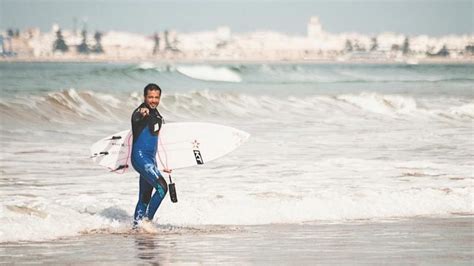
x: 433, y: 241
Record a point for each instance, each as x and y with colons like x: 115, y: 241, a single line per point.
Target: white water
x: 204, y: 72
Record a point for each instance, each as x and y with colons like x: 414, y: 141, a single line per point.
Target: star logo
x: 195, y: 144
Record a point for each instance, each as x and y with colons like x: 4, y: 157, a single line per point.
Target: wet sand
x: 433, y: 241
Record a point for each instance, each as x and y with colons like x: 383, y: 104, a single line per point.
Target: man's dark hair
x: 151, y: 87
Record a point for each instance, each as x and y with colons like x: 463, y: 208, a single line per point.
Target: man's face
x: 152, y: 98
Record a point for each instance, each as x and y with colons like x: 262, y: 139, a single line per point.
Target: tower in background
x: 315, y: 29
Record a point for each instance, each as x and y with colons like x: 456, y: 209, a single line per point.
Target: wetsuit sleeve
x: 138, y: 122
x: 136, y: 116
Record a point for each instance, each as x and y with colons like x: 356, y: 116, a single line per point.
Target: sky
x: 415, y: 17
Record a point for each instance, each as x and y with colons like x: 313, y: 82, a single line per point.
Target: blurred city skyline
x: 428, y: 17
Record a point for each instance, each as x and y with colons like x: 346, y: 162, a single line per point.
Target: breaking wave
x: 71, y: 106
x: 66, y: 106
x: 284, y: 73
x: 291, y: 73
x: 210, y: 73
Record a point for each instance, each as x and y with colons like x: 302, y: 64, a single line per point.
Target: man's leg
x: 144, y: 197
x: 158, y: 196
x: 155, y: 179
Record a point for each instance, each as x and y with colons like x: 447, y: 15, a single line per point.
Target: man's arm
x: 139, y: 114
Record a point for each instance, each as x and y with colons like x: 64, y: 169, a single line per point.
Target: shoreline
x: 212, y: 61
x: 405, y: 241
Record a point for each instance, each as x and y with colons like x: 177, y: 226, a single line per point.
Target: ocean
x: 337, y: 151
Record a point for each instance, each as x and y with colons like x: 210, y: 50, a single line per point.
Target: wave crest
x: 210, y: 73
x: 67, y: 106
x: 381, y: 104
x: 70, y: 106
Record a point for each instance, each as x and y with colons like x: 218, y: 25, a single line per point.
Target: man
x: 146, y: 125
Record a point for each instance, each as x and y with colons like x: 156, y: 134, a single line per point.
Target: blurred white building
x: 315, y: 29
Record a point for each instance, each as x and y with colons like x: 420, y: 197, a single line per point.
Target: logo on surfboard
x: 197, y: 155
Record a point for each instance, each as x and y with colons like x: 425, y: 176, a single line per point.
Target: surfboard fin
x: 100, y: 153
x: 123, y: 166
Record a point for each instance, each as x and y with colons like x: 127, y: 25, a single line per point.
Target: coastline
x: 217, y: 61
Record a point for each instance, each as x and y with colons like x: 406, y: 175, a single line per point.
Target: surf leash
x: 171, y: 185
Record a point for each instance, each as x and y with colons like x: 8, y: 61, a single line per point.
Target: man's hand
x: 144, y: 111
x: 166, y: 170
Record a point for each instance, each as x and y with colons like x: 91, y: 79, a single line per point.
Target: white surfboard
x: 179, y: 145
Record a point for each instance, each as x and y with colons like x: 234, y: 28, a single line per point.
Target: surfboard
x: 180, y: 145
